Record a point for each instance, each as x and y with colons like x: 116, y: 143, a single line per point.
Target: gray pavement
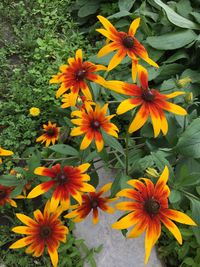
x: 117, y: 250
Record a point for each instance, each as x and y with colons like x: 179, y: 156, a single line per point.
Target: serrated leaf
x: 176, y: 19
x: 64, y: 150
x: 189, y: 142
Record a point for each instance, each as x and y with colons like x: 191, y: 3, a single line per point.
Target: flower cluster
x: 147, y: 206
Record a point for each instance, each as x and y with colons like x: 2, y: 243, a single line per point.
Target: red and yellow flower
x: 91, y: 122
x: 50, y: 135
x: 147, y: 209
x: 80, y: 103
x: 5, y: 192
x: 124, y: 43
x: 92, y: 202
x: 45, y: 230
x: 76, y: 75
x: 4, y: 153
x: 66, y: 182
x: 152, y: 103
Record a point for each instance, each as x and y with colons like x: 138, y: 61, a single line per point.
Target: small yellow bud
x: 189, y: 97
x: 183, y: 82
x: 152, y: 172
x: 34, y: 111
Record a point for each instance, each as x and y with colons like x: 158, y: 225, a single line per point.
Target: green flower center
x: 45, y: 232
x: 128, y: 42
x: 152, y: 206
x: 80, y: 74
x: 50, y: 132
x: 95, y: 125
x: 148, y: 96
x: 2, y: 194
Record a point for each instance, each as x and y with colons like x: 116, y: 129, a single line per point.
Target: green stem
x: 126, y: 152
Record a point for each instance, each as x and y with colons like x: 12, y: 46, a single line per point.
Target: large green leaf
x: 125, y: 4
x: 113, y: 142
x: 176, y: 19
x: 89, y: 8
x: 64, y: 150
x: 170, y: 41
x: 189, y: 143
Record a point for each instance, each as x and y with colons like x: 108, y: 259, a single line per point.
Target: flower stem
x: 126, y: 152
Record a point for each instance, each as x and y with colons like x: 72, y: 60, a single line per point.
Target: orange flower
x: 46, y: 230
x: 68, y: 101
x: 5, y: 153
x: 51, y: 134
x: 92, y: 202
x: 5, y: 192
x: 75, y: 76
x: 66, y: 182
x: 124, y: 43
x: 148, y: 208
x: 152, y: 103
x: 90, y: 123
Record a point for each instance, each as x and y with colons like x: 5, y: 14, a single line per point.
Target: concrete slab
x: 117, y: 250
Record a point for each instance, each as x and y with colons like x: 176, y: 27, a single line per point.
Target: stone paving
x: 117, y: 250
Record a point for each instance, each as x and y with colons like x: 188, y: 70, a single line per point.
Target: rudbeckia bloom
x: 45, y: 230
x: 4, y: 153
x: 148, y: 208
x: 75, y: 76
x: 67, y: 181
x: 50, y: 135
x: 124, y: 43
x: 5, y: 192
x: 152, y: 103
x: 91, y: 122
x: 92, y: 202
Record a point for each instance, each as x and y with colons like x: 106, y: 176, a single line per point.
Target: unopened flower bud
x: 152, y: 172
x: 189, y: 97
x: 183, y: 82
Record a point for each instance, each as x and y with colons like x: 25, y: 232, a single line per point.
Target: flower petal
x: 143, y: 76
x: 175, y: 109
x: 116, y: 60
x: 21, y: 242
x: 179, y: 217
x: 134, y: 26
x: 172, y: 228
x: 140, y: 119
x: 54, y: 257
x: 127, y: 105
x: 126, y: 222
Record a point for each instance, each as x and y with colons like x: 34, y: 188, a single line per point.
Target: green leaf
x: 64, y: 150
x: 176, y: 19
x: 180, y: 54
x: 89, y: 8
x: 196, y: 16
x: 9, y: 180
x: 120, y: 14
x: 18, y: 189
x: 173, y: 40
x: 125, y: 4
x: 175, y: 196
x: 113, y: 142
x: 119, y: 183
x: 189, y: 142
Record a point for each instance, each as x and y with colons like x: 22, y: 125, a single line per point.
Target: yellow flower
x: 34, y: 111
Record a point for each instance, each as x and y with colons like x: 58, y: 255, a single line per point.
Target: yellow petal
x: 179, y: 217
x: 125, y: 222
x: 37, y: 191
x: 22, y: 230
x: 116, y: 60
x: 77, y: 196
x: 76, y: 131
x: 87, y: 188
x: 79, y: 55
x: 173, y: 229
x: 137, y: 230
x: 172, y: 95
x: 126, y: 105
x: 134, y: 26
x: 61, y: 90
x: 106, y: 49
x: 163, y: 178
x: 139, y: 120
x: 175, y: 109
x: 25, y: 219
x: 155, y: 118
x: 105, y: 188
x: 4, y: 152
x: 54, y: 203
x: 83, y: 167
x: 106, y: 23
x: 21, y: 243
x: 86, y: 142
x: 54, y: 257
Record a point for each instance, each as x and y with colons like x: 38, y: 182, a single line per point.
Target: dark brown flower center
x: 3, y: 194
x: 147, y: 95
x: 128, y: 42
x: 50, y: 132
x: 80, y: 74
x: 152, y: 206
x: 62, y: 177
x: 45, y: 231
x: 95, y: 125
x: 94, y: 203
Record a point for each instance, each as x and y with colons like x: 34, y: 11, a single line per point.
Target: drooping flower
x: 92, y: 202
x: 76, y: 75
x: 34, y: 111
x: 44, y: 231
x: 5, y: 192
x: 50, y: 135
x: 67, y: 100
x: 4, y: 153
x: 66, y: 182
x: 147, y: 209
x: 124, y: 43
x: 91, y: 122
x: 153, y: 103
